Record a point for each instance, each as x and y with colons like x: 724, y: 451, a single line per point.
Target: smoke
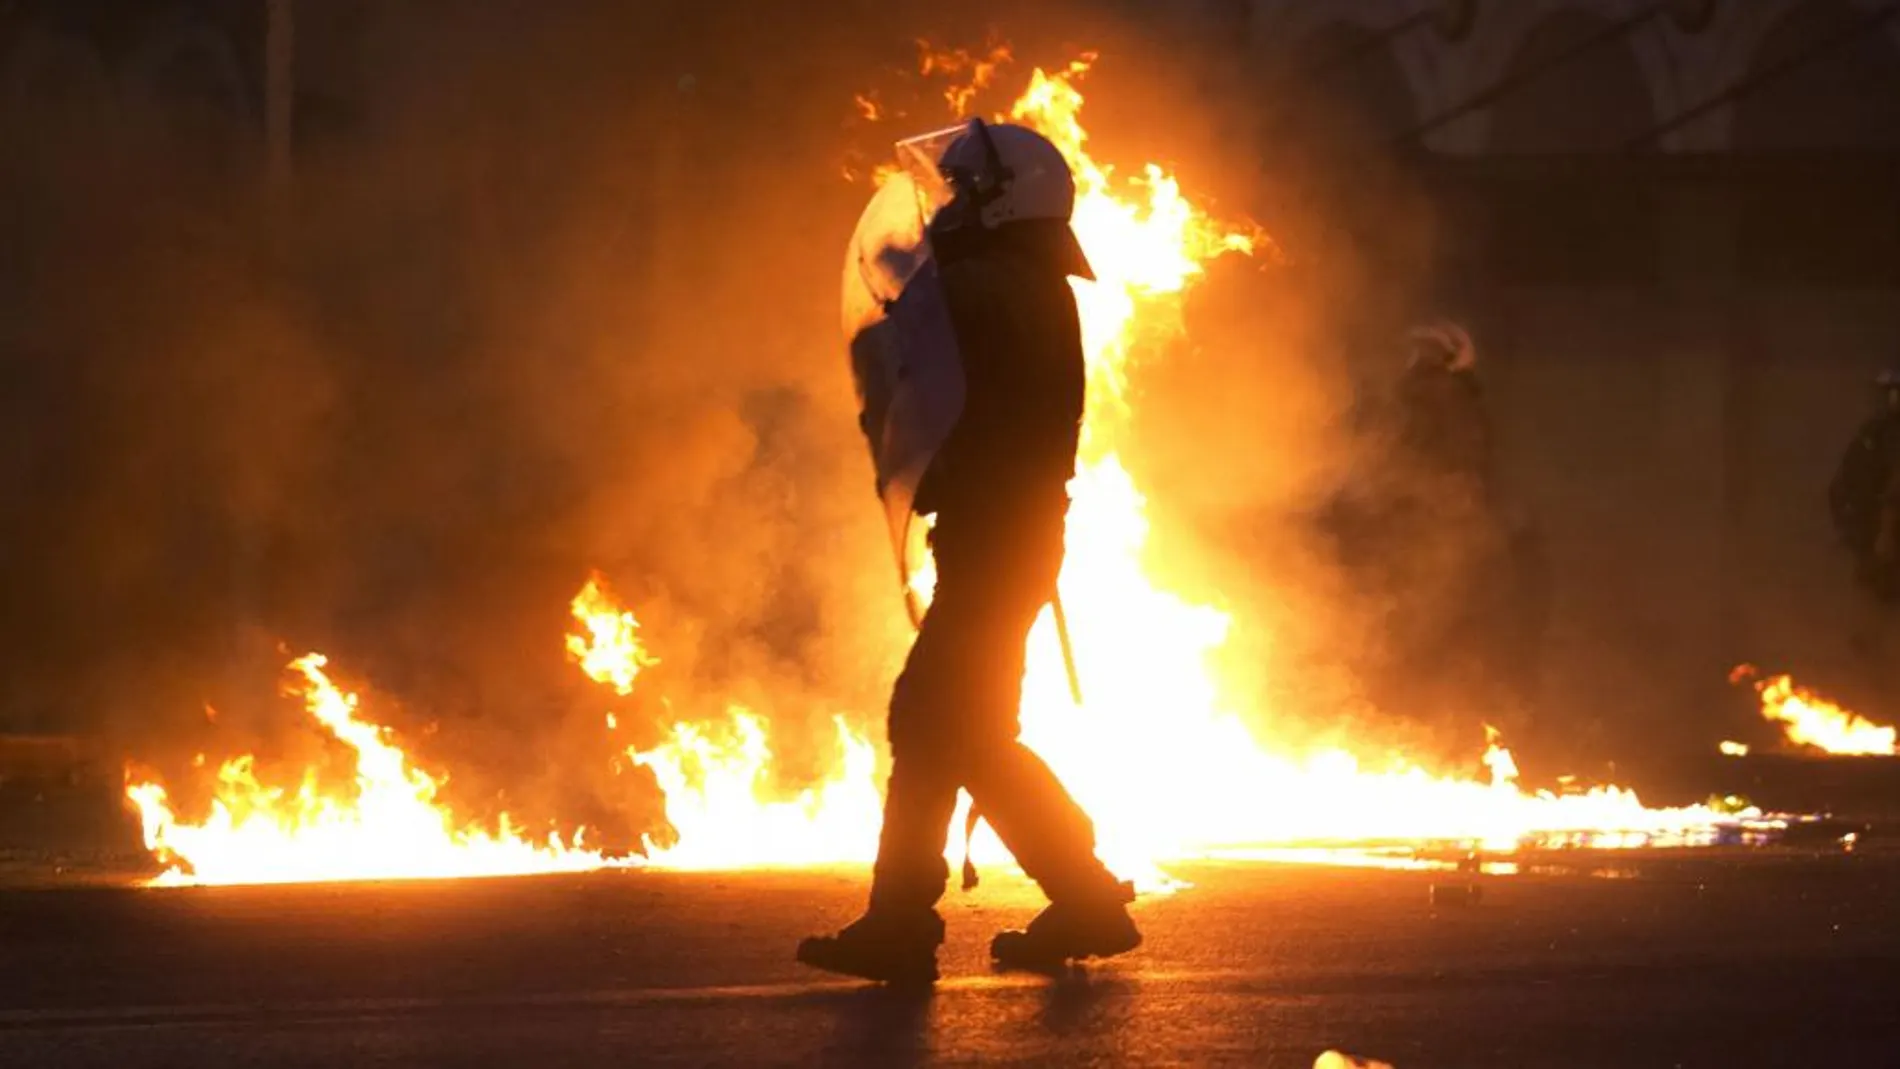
x: 552, y: 291
x: 1254, y: 418
x: 164, y: 391
x: 556, y: 291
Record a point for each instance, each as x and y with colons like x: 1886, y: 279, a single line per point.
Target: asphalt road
x: 1768, y: 960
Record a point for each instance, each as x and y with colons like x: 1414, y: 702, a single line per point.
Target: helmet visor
x: 890, y: 242
x: 921, y: 159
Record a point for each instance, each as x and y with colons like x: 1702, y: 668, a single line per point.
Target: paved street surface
x: 1763, y: 959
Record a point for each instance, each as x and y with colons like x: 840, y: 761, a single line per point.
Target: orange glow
x: 1160, y: 755
x: 971, y: 72
x: 718, y: 800
x: 390, y: 827
x: 1163, y: 754
x: 1813, y: 721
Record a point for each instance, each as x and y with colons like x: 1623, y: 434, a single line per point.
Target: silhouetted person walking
x: 1003, y: 253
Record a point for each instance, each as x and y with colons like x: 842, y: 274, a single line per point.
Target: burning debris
x: 1813, y: 721
x: 390, y: 827
x: 609, y: 648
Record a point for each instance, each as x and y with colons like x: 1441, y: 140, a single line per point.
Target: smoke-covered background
x: 551, y: 290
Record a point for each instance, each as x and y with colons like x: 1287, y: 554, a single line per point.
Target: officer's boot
x: 1074, y: 929
x: 886, y: 945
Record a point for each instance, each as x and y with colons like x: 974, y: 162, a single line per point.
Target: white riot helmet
x: 1443, y: 345
x: 1005, y: 174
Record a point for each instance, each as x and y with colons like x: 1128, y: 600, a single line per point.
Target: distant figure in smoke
x: 972, y: 381
x: 1443, y: 424
x: 1458, y: 573
x: 1864, y: 497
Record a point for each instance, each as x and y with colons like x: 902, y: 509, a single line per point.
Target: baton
x: 1068, y: 649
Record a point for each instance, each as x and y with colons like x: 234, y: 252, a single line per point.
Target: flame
x: 391, y: 828
x: 1159, y: 754
x: 981, y: 69
x: 878, y: 175
x: 1731, y: 748
x: 1811, y: 720
x: 719, y: 804
x: 1147, y: 243
x: 1498, y: 760
x: 608, y: 648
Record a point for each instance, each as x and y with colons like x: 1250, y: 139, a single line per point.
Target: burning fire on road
x: 390, y: 826
x: 1162, y: 754
x: 1812, y: 721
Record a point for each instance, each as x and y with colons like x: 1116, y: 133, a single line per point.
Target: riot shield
x: 903, y: 349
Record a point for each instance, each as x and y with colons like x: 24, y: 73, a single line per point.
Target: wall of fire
x: 1676, y: 228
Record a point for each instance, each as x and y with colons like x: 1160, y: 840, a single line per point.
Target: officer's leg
x: 897, y: 938
x: 1032, y: 813
x: 995, y: 576
x: 1054, y: 842
x: 1036, y: 818
x: 920, y: 797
